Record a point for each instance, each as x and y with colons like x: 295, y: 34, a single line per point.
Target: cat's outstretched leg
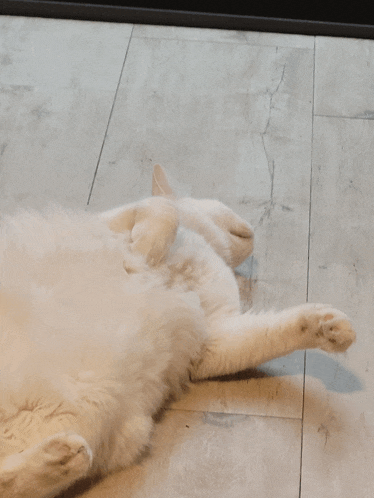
x: 248, y: 340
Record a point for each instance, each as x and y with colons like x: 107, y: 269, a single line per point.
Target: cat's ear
x: 152, y: 224
x: 160, y: 184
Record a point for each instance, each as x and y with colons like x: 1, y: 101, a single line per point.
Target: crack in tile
x: 271, y: 164
x: 3, y: 147
x: 270, y: 204
x: 271, y: 106
x: 324, y: 430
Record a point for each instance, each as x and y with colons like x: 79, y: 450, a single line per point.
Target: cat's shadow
x: 331, y: 372
x: 79, y: 488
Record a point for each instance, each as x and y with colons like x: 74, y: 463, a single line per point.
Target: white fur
x: 102, y: 317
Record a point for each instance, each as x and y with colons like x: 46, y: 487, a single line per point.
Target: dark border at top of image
x: 325, y: 19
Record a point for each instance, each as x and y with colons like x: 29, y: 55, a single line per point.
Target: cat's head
x: 229, y: 235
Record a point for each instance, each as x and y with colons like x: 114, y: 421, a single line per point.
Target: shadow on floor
x: 331, y: 372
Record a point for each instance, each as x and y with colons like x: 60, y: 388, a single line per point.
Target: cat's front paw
x: 326, y: 328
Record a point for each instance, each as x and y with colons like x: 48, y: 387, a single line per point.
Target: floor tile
x: 83, y: 56
x: 266, y: 391
x: 234, y: 123
x: 225, y: 36
x: 242, y: 143
x: 204, y: 455
x: 229, y: 115
x: 220, y: 114
x: 344, y: 74
x: 56, y: 94
x: 338, y: 447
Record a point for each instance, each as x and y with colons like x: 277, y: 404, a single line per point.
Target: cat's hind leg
x: 131, y: 440
x: 245, y: 341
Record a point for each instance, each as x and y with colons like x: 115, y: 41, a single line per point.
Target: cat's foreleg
x: 248, y: 340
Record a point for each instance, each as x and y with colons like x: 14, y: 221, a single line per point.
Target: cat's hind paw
x: 44, y: 470
x: 68, y: 452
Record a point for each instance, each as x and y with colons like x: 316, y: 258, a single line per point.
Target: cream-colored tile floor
x: 280, y: 127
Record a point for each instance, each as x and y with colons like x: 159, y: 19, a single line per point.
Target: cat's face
x: 229, y: 235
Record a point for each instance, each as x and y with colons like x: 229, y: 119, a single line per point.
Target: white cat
x: 102, y: 317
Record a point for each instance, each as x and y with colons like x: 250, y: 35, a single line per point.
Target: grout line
x: 308, y: 266
x: 362, y: 118
x: 311, y: 179
x: 110, y: 118
x: 228, y: 41
x: 302, y: 429
x: 232, y: 413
